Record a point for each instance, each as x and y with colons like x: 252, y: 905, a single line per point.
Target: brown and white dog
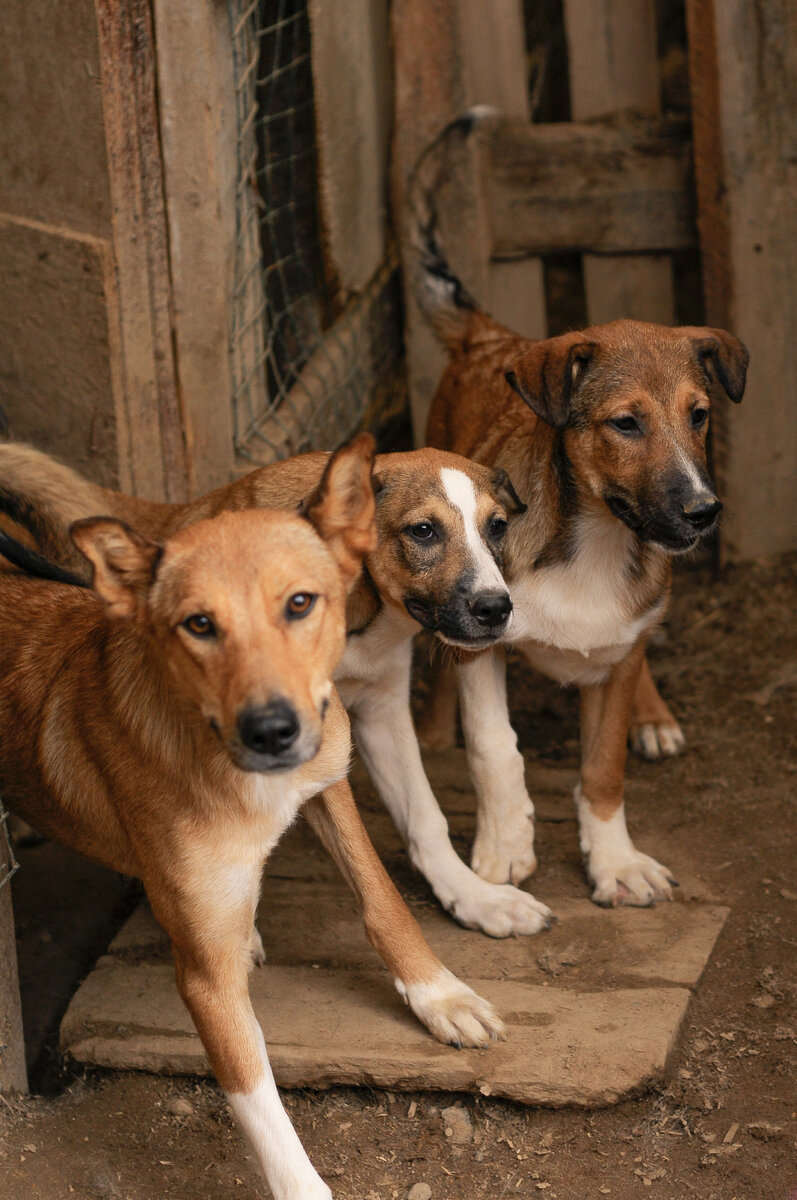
x: 603, y: 431
x: 441, y: 523
x: 171, y: 723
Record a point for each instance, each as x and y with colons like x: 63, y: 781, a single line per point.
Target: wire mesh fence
x: 307, y: 370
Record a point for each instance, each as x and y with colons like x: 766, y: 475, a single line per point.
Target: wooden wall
x: 617, y: 185
x: 743, y: 67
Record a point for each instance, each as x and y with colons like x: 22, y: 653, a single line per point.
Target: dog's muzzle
x: 269, y: 730
x: 465, y: 620
x: 675, y: 526
x: 270, y: 737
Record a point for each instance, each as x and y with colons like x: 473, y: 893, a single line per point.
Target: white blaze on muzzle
x: 461, y: 494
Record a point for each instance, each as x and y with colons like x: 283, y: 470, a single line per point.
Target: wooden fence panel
x: 614, y: 67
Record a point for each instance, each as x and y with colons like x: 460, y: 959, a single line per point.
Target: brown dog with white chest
x: 603, y: 431
x: 441, y: 524
x: 172, y: 720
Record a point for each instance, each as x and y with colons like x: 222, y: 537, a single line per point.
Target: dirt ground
x: 723, y: 1128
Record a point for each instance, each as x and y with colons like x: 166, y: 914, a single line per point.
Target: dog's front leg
x: 619, y: 872
x: 212, y: 955
x: 504, y: 845
x: 386, y: 738
x: 447, y: 1007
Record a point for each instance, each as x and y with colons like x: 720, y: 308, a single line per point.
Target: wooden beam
x: 350, y: 46
x: 494, y: 53
x: 614, y: 68
x: 154, y: 449
x: 615, y: 188
x: 447, y: 58
x: 13, y: 1076
x: 197, y: 108
x: 744, y: 116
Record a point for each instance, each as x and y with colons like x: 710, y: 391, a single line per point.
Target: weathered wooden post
x: 13, y: 1076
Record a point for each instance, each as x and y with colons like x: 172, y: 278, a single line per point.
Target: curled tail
x: 442, y: 297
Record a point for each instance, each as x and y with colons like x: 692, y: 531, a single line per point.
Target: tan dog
x: 604, y: 432
x: 441, y: 523
x: 172, y: 722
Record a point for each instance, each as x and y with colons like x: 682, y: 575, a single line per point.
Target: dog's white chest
x: 573, y: 618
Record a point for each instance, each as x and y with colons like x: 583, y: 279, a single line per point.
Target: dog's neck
x: 364, y: 604
x: 547, y: 534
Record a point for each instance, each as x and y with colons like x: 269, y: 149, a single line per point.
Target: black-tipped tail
x: 441, y: 295
x: 36, y: 564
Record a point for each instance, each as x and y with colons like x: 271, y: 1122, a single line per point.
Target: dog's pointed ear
x: 343, y: 508
x: 548, y: 375
x: 505, y: 492
x: 123, y: 562
x: 724, y: 358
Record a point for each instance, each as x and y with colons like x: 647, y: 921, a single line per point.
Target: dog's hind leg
x: 620, y: 873
x: 437, y: 727
x: 211, y: 945
x: 654, y: 731
x: 447, y: 1007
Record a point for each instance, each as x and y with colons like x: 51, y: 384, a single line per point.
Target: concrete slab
x: 337, y: 1026
x: 593, y: 1008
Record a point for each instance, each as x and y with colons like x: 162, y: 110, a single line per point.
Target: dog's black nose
x: 490, y: 608
x: 269, y: 730
x: 702, y: 513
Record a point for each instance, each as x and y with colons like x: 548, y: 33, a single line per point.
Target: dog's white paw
x: 657, y: 739
x: 500, y: 910
x: 630, y: 878
x: 505, y: 853
x: 619, y: 872
x: 452, y: 1012
x: 257, y: 950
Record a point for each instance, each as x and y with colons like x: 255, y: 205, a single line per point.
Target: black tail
x: 36, y: 564
x: 441, y: 295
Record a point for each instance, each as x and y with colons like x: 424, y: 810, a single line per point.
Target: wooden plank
x: 53, y: 163
x: 745, y: 128
x: 13, y: 1075
x: 446, y: 59
x: 196, y: 95
x: 157, y: 454
x: 494, y: 53
x: 430, y: 90
x: 56, y: 357
x: 351, y: 85
x: 610, y: 189
x: 614, y: 67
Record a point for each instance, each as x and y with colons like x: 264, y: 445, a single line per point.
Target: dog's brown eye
x: 423, y: 531
x: 496, y: 528
x: 699, y: 417
x: 299, y: 605
x: 200, y: 626
x: 627, y: 425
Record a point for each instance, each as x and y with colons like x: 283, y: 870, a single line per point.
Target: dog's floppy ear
x: 726, y: 356
x: 548, y: 375
x: 505, y: 492
x: 123, y: 562
x: 343, y: 508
